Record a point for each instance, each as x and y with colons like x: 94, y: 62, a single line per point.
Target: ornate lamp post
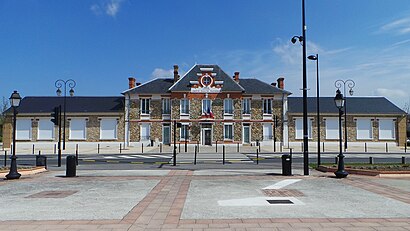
x: 59, y: 84
x: 15, y: 100
x: 339, y: 101
x: 302, y: 40
x: 350, y: 84
x: 316, y: 57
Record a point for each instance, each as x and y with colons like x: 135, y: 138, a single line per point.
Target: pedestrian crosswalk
x: 117, y: 157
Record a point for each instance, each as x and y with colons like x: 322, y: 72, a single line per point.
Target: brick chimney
x: 281, y: 83
x: 131, y: 82
x: 236, y: 76
x: 176, y: 75
x: 273, y: 84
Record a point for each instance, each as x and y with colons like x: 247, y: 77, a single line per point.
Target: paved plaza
x: 212, y: 199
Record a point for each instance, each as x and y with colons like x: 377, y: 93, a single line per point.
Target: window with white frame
x: 228, y: 131
x: 108, y: 128
x: 166, y: 106
x: 332, y: 128
x: 387, y: 129
x: 206, y: 106
x: 145, y: 131
x: 267, y: 131
x: 267, y: 106
x: 23, y: 129
x: 145, y: 106
x: 246, y: 106
x: 299, y: 128
x: 364, y: 128
x: 45, y: 129
x: 228, y: 106
x: 184, y: 132
x: 77, y: 129
x: 184, y: 105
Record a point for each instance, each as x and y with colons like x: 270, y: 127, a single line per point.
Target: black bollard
x: 257, y: 156
x: 371, y: 160
x: 387, y: 148
x: 76, y: 154
x: 142, y: 147
x: 160, y: 148
x: 223, y: 154
x: 55, y: 148
x: 120, y: 147
x: 195, y: 156
x: 179, y: 147
x: 5, y: 158
x: 365, y: 147
x: 216, y: 146
x: 33, y: 150
x: 403, y: 160
x: 237, y: 147
x: 323, y: 149
x: 98, y: 148
x: 186, y: 146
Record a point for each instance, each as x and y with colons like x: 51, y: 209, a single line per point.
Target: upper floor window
x: 267, y: 106
x: 144, y: 106
x: 228, y: 106
x: 184, y: 105
x: 166, y: 106
x: 246, y: 106
x: 206, y: 106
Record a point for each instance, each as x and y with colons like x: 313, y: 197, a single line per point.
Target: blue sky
x: 100, y: 43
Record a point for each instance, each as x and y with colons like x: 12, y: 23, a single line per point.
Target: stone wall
x: 155, y: 109
x: 256, y: 110
x: 257, y: 131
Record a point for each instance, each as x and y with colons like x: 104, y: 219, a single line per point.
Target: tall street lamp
x: 350, y: 84
x: 59, y: 84
x: 302, y: 40
x: 15, y: 100
x: 316, y: 57
x: 339, y: 101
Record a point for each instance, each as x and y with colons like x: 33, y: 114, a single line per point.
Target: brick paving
x: 161, y: 209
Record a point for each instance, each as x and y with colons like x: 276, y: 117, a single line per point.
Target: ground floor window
x: 108, y: 128
x: 299, y: 128
x: 184, y: 132
x: 145, y: 132
x: 228, y: 131
x: 332, y: 128
x: 267, y: 131
x: 23, y: 129
x: 364, y: 129
x: 45, y: 129
x: 77, y: 129
x: 386, y: 129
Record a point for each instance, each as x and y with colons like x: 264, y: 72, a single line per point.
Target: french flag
x: 209, y: 112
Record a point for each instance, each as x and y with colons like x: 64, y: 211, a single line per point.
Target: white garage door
x: 108, y: 129
x: 364, y: 129
x: 77, y: 129
x: 386, y: 129
x: 45, y: 129
x: 332, y: 128
x: 23, y: 129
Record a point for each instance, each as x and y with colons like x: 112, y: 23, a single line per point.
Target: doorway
x: 166, y: 134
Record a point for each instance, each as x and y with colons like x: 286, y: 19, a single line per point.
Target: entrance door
x: 166, y: 134
x: 207, y: 137
x: 246, y: 134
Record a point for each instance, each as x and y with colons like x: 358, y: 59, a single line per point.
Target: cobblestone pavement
x: 162, y: 208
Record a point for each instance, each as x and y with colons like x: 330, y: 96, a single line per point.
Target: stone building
x: 88, y: 119
x: 369, y: 119
x: 208, y: 105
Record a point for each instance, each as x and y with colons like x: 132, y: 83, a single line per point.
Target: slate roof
x: 355, y: 105
x: 229, y: 84
x: 256, y: 86
x: 75, y: 104
x: 155, y: 86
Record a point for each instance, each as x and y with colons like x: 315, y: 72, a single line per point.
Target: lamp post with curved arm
x: 63, y: 83
x: 350, y: 84
x: 302, y: 40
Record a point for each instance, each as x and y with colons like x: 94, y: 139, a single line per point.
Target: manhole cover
x: 52, y: 194
x: 279, y: 202
x: 282, y: 193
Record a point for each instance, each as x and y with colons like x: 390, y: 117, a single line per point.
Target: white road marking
x: 282, y: 184
x: 161, y: 156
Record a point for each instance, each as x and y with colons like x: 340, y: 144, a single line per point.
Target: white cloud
x: 110, y: 8
x: 400, y: 26
x: 162, y: 73
x: 393, y: 93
